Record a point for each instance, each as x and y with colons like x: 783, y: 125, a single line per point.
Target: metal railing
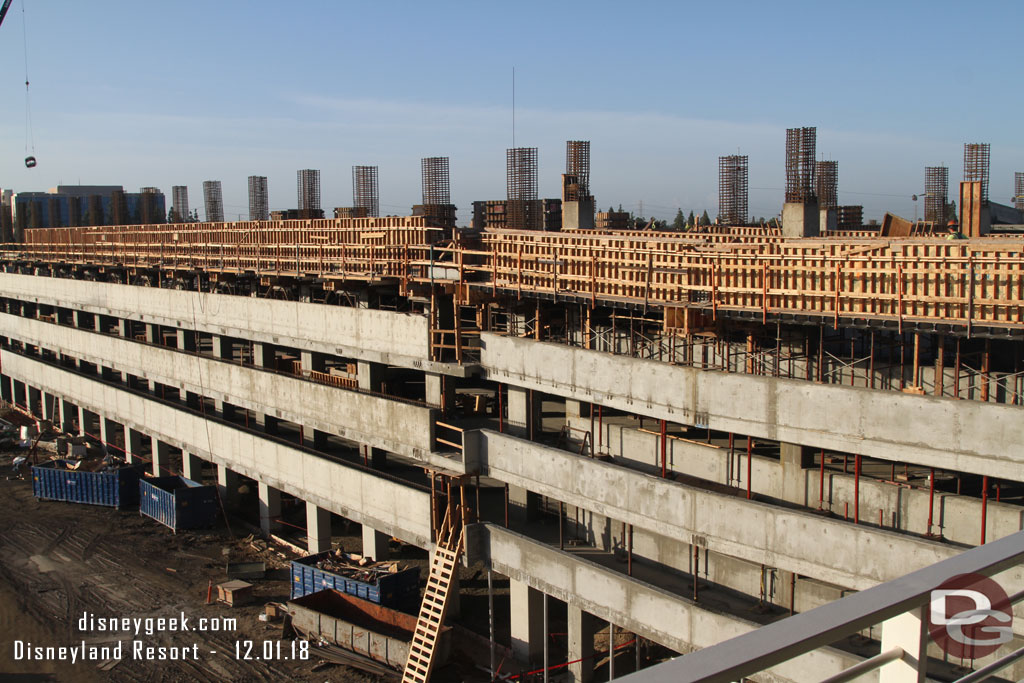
x: 900, y: 606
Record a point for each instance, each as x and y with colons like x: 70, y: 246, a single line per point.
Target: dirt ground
x: 59, y: 561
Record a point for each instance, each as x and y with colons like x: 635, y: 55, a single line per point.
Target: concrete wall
x: 367, y: 334
x: 663, y: 617
x: 938, y: 432
x: 384, y: 505
x: 395, y: 426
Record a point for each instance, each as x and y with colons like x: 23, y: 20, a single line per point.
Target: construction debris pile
x: 356, y: 567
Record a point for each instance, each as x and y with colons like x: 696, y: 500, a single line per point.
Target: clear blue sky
x: 165, y: 93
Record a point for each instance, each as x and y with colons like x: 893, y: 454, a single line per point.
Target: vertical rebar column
x: 436, y: 188
x: 179, y: 203
x: 1018, y: 190
x: 800, y: 151
x: 976, y: 165
x: 213, y: 199
x: 577, y: 164
x: 522, y: 188
x: 827, y: 184
x: 258, y: 204
x: 364, y: 189
x: 733, y: 189
x: 936, y: 193
x: 307, y: 182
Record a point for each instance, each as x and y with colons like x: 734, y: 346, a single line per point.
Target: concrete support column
x: 369, y: 375
x: 133, y: 442
x: 7, y: 389
x: 263, y: 356
x: 440, y: 390
x: 795, y: 461
x: 573, y: 408
x: 108, y: 434
x: 523, y: 505
x: 124, y: 328
x: 80, y: 417
x: 223, y: 349
x: 51, y: 407
x: 161, y: 458
x: 523, y: 413
x: 35, y: 400
x: 375, y: 544
x: 908, y: 631
x: 526, y: 605
x: 582, y: 628
x: 318, y: 528
x: 270, y: 509
x: 191, y: 466
x: 311, y: 360
x: 153, y: 334
x: 227, y: 485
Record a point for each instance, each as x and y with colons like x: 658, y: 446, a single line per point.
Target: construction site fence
x: 960, y: 282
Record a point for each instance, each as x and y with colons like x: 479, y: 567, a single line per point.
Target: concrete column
x: 270, y: 509
x: 222, y: 350
x: 910, y: 632
x: 80, y: 416
x: 108, y: 434
x: 526, y: 605
x: 311, y: 360
x: 523, y: 505
x: 573, y: 408
x: 124, y: 328
x: 369, y: 375
x: 582, y: 628
x: 133, y: 442
x: 263, y: 356
x: 35, y: 400
x: 191, y: 466
x: 318, y: 528
x: 523, y: 413
x: 795, y: 461
x: 51, y: 408
x: 227, y: 485
x: 186, y: 340
x: 440, y: 390
x: 161, y: 458
x: 7, y: 389
x: 375, y: 544
x: 153, y: 333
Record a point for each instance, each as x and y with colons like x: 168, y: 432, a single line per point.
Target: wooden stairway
x: 443, y: 565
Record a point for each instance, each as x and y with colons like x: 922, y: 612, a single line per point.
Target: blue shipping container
x: 397, y: 590
x: 178, y: 502
x: 117, y: 487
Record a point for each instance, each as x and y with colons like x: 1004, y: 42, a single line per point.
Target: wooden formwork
x: 960, y: 282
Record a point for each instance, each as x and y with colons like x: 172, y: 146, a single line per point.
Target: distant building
x: 258, y: 203
x: 83, y: 205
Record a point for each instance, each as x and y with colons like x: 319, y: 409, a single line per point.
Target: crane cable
x: 29, y: 135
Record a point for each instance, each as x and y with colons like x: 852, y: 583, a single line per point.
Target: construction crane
x: 3, y: 10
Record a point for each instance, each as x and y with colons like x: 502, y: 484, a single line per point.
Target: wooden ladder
x: 443, y: 565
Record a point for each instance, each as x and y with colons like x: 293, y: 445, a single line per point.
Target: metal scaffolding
x: 733, y: 189
x: 936, y: 193
x: 364, y: 189
x: 577, y: 165
x: 258, y: 205
x: 800, y: 151
x: 827, y: 184
x: 213, y: 198
x: 976, y: 165
x: 523, y: 209
x: 1018, y: 190
x: 436, y: 188
x: 179, y: 203
x: 308, y: 186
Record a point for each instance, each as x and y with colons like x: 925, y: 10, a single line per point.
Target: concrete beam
x: 656, y: 614
x: 394, y: 426
x: 396, y: 509
x: 381, y: 336
x: 963, y: 436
